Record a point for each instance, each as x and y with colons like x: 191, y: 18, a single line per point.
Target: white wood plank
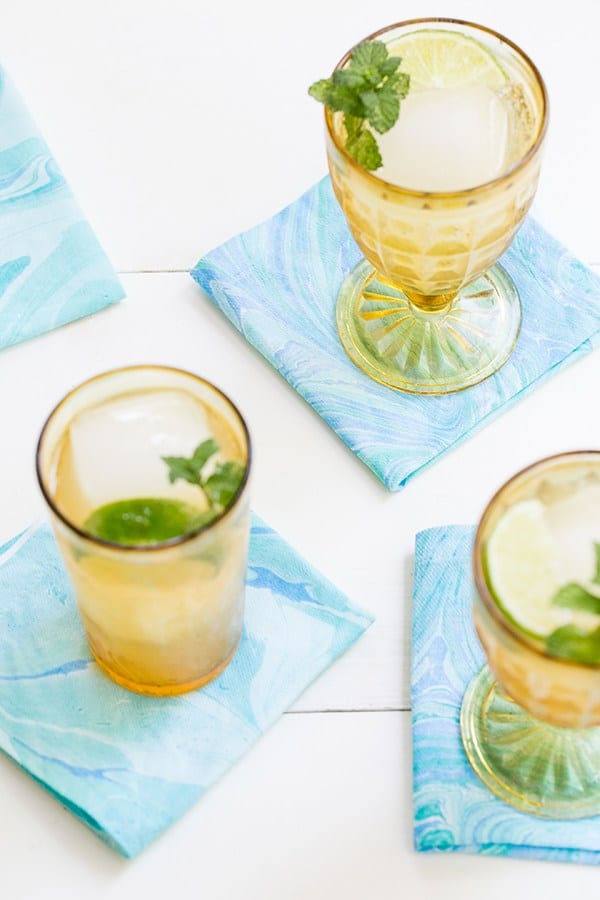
x: 306, y: 484
x: 181, y: 123
x: 168, y: 159
x: 320, y: 808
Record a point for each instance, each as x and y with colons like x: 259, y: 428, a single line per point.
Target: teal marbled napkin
x: 128, y: 765
x: 278, y: 284
x: 52, y: 268
x: 453, y: 810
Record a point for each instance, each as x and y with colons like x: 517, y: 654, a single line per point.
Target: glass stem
x: 430, y: 304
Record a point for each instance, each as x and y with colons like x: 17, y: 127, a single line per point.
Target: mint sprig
x: 219, y: 487
x: 368, y: 91
x: 189, y: 469
x: 575, y: 596
x: 570, y: 641
x: 573, y: 643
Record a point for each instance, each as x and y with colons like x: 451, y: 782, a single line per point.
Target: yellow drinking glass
x: 160, y: 618
x: 428, y: 310
x: 530, y: 721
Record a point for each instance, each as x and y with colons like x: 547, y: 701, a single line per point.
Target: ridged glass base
x: 537, y: 768
x: 401, y: 346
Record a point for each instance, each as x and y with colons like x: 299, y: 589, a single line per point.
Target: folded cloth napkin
x: 278, y: 284
x: 125, y: 764
x: 52, y: 268
x: 453, y: 810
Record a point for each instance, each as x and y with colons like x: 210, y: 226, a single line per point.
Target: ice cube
x: 575, y: 524
x: 446, y: 139
x: 116, y: 447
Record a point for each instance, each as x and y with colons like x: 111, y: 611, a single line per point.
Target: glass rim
x: 159, y: 545
x: 466, y: 192
x: 481, y: 584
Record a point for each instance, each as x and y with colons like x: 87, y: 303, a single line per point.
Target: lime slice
x: 443, y: 59
x: 521, y: 568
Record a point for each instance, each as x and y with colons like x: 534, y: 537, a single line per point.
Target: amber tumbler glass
x: 162, y: 618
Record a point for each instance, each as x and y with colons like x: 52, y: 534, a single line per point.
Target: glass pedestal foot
x: 403, y: 347
x: 537, y: 768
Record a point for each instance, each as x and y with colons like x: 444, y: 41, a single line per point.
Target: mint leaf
x: 575, y: 644
x: 368, y: 56
x: 320, y: 90
x: 338, y: 97
x: 353, y: 125
x: 596, y: 578
x: 400, y: 82
x: 203, y: 452
x: 389, y: 65
x: 345, y: 99
x: 219, y: 488
x: 349, y: 78
x: 383, y: 108
x: 363, y: 148
x: 223, y: 484
x: 182, y: 469
x: 574, y: 596
x: 369, y: 88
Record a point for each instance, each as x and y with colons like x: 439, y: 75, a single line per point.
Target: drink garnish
x: 576, y: 596
x: 571, y: 641
x: 523, y: 574
x: 521, y: 568
x: 220, y: 485
x: 575, y: 644
x: 152, y: 520
x: 368, y: 92
x: 144, y: 520
x: 448, y: 59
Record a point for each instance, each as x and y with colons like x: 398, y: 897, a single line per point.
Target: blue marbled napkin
x: 453, y: 810
x: 52, y: 268
x: 278, y: 284
x: 128, y: 765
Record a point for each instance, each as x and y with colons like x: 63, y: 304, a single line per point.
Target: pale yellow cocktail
x: 157, y: 562
x: 428, y: 311
x: 533, y: 734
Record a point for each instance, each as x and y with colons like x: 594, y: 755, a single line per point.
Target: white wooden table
x: 179, y: 124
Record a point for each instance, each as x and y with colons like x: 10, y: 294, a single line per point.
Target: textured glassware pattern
x: 425, y: 314
x: 532, y: 735
x: 166, y: 618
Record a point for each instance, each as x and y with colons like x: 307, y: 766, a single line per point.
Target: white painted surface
x: 151, y: 109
